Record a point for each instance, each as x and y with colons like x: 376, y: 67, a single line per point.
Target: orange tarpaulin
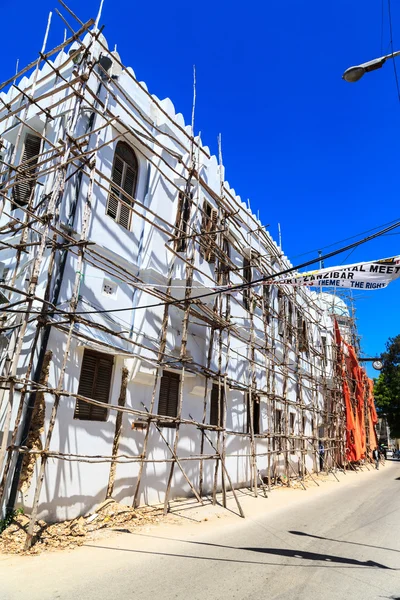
x: 356, y: 437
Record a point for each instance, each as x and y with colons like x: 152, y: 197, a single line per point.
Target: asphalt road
x: 341, y: 545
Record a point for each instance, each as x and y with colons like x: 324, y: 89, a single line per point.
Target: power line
x: 391, y: 46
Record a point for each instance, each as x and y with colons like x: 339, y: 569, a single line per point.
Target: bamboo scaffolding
x: 173, y: 155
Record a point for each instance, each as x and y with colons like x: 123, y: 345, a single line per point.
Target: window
x: 124, y: 175
x: 290, y: 321
x: 216, y: 405
x: 224, y: 263
x: 277, y: 443
x: 291, y: 426
x: 324, y: 350
x: 247, y: 276
x: 281, y: 314
x: 302, y: 333
x: 267, y: 301
x: 169, y: 396
x: 207, y: 239
x: 256, y: 414
x: 25, y: 178
x: 182, y: 220
x: 95, y: 383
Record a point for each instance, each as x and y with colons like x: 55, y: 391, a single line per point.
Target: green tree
x: 387, y: 386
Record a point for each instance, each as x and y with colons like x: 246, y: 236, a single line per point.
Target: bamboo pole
x: 117, y: 432
x: 73, y: 304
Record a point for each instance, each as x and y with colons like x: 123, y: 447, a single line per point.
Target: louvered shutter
x: 26, y: 176
x: 124, y: 215
x: 208, y: 225
x: 214, y: 220
x: 169, y: 396
x: 124, y: 174
x: 118, y: 172
x: 256, y: 415
x: 216, y: 405
x: 267, y: 301
x: 129, y: 182
x: 112, y: 207
x: 247, y: 275
x: 180, y: 245
x: 94, y: 382
x: 281, y: 314
x: 211, y: 226
x: 116, y: 177
x: 224, y: 264
x: 182, y: 220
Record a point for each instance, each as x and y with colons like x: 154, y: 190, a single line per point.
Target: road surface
x: 343, y: 544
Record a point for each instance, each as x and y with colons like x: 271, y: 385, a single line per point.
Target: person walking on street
x: 376, y: 457
x: 321, y: 451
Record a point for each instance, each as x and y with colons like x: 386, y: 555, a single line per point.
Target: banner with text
x: 366, y: 276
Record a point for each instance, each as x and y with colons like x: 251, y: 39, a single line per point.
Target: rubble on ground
x: 76, y: 532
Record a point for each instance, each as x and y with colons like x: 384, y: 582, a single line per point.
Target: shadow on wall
x: 64, y: 507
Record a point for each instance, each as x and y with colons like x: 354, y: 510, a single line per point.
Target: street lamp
x: 353, y: 74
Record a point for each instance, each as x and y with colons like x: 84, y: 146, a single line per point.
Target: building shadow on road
x: 318, y: 557
x: 332, y: 560
x: 319, y: 537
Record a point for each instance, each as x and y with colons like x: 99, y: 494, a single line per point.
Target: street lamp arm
x: 353, y: 74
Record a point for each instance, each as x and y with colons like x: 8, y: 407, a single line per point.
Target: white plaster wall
x: 73, y: 488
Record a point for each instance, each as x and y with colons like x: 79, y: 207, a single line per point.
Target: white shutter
x: 124, y: 216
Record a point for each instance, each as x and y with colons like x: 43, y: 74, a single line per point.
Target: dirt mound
x: 73, y: 533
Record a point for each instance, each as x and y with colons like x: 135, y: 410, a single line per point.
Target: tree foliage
x: 387, y: 386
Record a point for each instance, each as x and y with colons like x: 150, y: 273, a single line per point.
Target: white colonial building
x: 114, y: 219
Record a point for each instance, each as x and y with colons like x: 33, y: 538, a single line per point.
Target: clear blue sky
x: 317, y: 154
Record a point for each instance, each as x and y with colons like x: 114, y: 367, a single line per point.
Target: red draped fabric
x: 362, y: 388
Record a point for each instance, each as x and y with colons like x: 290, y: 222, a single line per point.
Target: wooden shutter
x: 182, y: 220
x: 208, y: 225
x: 94, y: 382
x: 303, y: 335
x: 324, y: 350
x: 116, y: 177
x: 26, y: 176
x: 281, y: 314
x: 179, y: 244
x: 224, y: 263
x: 211, y: 238
x: 124, y: 216
x: 216, y: 405
x: 292, y: 442
x: 129, y: 182
x: 290, y: 321
x: 247, y: 274
x: 169, y: 396
x: 278, y: 429
x: 256, y: 414
x: 124, y: 175
x: 267, y: 301
x: 112, y: 206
